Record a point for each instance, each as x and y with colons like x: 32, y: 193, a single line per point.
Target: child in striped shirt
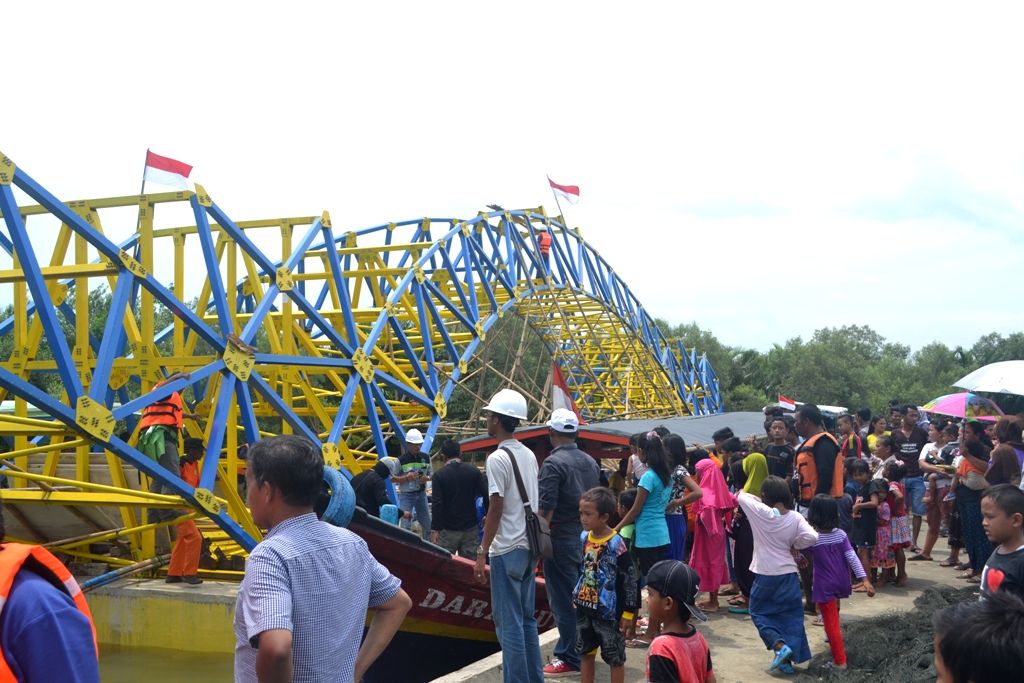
x: 833, y: 557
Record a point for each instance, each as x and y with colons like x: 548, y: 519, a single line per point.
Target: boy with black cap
x: 680, y: 654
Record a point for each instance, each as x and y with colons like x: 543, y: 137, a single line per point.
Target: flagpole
x: 557, y: 203
x: 142, y: 190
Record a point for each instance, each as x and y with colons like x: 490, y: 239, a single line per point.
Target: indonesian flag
x: 560, y: 396
x: 787, y: 403
x: 570, y: 193
x: 166, y: 171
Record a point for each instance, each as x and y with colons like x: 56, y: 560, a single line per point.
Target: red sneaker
x: 556, y: 668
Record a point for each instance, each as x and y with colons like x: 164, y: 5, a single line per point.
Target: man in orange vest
x: 819, y: 466
x: 185, y: 557
x: 544, y: 242
x: 158, y: 438
x: 46, y: 629
x: 819, y: 469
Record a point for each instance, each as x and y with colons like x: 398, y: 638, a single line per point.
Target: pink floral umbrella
x: 965, y: 405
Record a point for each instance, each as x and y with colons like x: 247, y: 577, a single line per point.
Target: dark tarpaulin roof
x: 696, y: 430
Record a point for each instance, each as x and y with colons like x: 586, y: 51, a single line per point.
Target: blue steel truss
x: 434, y: 287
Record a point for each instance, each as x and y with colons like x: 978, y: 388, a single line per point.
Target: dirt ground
x: 896, y: 645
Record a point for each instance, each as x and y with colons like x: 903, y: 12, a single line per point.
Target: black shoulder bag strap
x: 519, y: 481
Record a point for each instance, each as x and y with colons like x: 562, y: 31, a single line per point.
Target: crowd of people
x: 783, y: 527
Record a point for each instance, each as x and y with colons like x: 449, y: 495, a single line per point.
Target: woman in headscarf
x: 712, y: 511
x: 755, y: 471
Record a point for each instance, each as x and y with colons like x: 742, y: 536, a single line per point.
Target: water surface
x: 131, y: 665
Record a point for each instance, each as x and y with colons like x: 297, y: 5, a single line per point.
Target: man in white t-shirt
x: 513, y: 582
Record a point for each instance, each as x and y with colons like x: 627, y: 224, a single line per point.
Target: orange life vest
x: 167, y: 411
x: 13, y: 556
x: 807, y: 469
x: 545, y: 242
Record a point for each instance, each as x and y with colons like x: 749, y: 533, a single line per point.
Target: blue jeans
x: 416, y: 500
x: 915, y: 495
x: 513, y: 602
x: 561, y: 573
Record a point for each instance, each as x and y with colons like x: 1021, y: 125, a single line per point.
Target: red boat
x: 450, y: 624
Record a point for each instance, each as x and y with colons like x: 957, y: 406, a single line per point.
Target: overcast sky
x: 763, y: 169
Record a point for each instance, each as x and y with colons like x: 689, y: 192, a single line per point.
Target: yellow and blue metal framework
x: 348, y: 339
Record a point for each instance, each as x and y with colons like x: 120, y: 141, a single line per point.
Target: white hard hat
x: 414, y: 436
x: 564, y: 421
x: 508, y: 402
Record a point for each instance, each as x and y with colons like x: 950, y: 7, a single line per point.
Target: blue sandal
x: 782, y: 656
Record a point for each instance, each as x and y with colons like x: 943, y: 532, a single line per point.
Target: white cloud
x: 720, y: 150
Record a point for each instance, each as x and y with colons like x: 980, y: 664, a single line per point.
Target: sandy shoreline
x: 737, y: 652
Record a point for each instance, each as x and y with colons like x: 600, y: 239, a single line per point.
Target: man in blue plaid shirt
x: 302, y: 605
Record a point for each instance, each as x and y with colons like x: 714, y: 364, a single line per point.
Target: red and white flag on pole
x: 166, y: 171
x: 560, y: 396
x: 570, y: 193
x: 787, y: 403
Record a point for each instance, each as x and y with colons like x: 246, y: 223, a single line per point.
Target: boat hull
x: 451, y: 611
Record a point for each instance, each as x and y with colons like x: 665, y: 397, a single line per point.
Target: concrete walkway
x: 736, y: 650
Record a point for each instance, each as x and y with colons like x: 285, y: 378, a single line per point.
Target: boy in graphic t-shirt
x: 1002, y: 511
x: 606, y: 595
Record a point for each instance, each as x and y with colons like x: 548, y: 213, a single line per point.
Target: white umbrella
x: 1005, y: 377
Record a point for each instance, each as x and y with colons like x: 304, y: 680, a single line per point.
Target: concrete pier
x: 153, y: 614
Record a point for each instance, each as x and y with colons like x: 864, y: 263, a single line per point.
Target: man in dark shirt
x: 457, y: 485
x: 733, y: 452
x: 908, y: 441
x: 370, y: 489
x: 565, y: 475
x: 778, y: 453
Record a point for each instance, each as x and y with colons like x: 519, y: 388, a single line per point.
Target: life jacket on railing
x: 807, y: 469
x: 13, y: 557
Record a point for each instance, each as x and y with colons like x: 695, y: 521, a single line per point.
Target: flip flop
x: 708, y: 609
x: 947, y: 563
x: 737, y: 600
x: 739, y: 610
x: 963, y: 566
x: 818, y: 621
x: 919, y: 558
x: 729, y: 591
x: 973, y: 579
x: 638, y: 644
